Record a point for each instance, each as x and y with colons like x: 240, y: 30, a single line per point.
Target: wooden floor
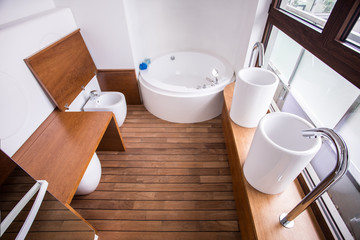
x: 173, y: 182
x: 53, y: 221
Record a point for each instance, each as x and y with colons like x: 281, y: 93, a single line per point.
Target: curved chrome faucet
x: 260, y: 47
x: 340, y: 169
x: 94, y: 95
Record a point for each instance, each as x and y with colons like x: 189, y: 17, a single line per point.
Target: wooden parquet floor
x: 173, y: 182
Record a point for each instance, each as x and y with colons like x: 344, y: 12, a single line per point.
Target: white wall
x: 219, y: 27
x: 11, y: 10
x: 23, y: 103
x: 257, y: 22
x: 104, y: 30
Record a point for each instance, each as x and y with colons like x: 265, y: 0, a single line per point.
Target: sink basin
x: 109, y: 101
x: 279, y: 152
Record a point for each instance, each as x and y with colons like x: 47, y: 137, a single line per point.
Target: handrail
x: 340, y: 169
x: 40, y: 186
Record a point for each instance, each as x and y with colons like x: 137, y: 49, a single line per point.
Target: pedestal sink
x: 279, y: 152
x: 108, y: 101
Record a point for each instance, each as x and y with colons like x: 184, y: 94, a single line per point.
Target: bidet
x: 108, y: 101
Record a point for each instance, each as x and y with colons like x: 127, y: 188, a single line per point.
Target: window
x: 354, y: 35
x: 315, y: 12
x: 314, y: 91
x: 318, y: 64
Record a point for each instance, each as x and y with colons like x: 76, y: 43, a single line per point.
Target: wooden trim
x: 325, y: 45
x: 120, y: 80
x: 246, y: 223
x: 63, y: 68
x: 79, y: 216
x: 261, y: 220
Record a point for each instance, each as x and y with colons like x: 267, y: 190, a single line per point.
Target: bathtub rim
x: 173, y: 90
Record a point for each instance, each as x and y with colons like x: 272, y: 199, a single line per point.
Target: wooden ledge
x: 60, y: 150
x: 259, y: 213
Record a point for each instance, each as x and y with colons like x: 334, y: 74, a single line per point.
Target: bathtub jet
x: 185, y: 87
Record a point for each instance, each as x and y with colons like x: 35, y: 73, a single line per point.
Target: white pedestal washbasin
x: 253, y: 92
x: 108, y: 101
x: 279, y: 152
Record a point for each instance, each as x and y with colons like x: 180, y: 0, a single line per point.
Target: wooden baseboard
x: 120, y: 80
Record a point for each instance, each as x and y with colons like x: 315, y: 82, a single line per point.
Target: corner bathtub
x: 179, y: 87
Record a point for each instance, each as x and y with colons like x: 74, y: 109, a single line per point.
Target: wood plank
x: 171, y: 125
x: 159, y: 196
x: 52, y: 236
x: 168, y: 226
x: 175, y: 140
x: 167, y: 171
x: 153, y: 205
x: 169, y: 235
x: 50, y: 226
x: 149, y: 164
x: 120, y: 80
x: 163, y: 215
x: 178, y: 135
x: 156, y: 145
x: 59, y: 72
x: 180, y: 129
x: 156, y: 157
x: 165, y: 187
x: 175, y: 151
x: 165, y: 179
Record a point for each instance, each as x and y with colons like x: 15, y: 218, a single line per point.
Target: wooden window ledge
x: 259, y: 213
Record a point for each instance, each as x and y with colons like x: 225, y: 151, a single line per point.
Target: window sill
x: 259, y: 213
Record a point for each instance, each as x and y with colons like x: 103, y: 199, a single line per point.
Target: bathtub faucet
x: 215, y: 74
x: 260, y: 48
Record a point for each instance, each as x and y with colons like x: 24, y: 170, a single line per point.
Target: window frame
x: 329, y: 45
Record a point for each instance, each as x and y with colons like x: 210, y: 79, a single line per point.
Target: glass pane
x: 323, y: 94
x: 354, y: 36
x: 282, y: 54
x: 315, y: 12
x: 350, y: 131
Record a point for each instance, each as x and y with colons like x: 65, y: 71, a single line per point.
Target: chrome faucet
x: 340, y: 169
x: 94, y: 95
x: 260, y: 49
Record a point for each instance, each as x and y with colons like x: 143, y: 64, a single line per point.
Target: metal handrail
x: 342, y: 163
x: 40, y: 186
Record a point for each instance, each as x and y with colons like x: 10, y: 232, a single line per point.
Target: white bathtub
x: 177, y: 86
